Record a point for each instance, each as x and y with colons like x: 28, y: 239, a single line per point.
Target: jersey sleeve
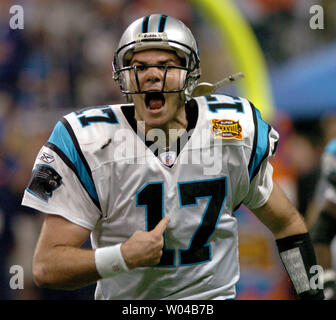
x: 61, y: 181
x: 260, y: 171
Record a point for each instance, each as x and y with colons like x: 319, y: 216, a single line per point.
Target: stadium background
x: 61, y: 61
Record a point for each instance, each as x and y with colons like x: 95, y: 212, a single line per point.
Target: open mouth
x: 154, y: 100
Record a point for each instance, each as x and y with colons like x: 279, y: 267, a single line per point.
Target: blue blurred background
x: 61, y: 61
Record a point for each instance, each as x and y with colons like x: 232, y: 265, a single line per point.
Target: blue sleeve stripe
x: 260, y: 143
x: 67, y: 147
x: 331, y: 147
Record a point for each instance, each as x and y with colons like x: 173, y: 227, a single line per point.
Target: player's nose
x: 154, y: 74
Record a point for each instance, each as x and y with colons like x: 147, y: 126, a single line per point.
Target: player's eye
x: 140, y: 67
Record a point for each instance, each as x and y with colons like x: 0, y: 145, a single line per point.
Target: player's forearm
x: 290, y: 225
x: 293, y: 242
x: 64, y: 267
x: 280, y: 216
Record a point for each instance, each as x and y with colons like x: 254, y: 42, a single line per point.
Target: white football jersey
x: 96, y: 171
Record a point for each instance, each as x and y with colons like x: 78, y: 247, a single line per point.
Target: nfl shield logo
x: 168, y: 158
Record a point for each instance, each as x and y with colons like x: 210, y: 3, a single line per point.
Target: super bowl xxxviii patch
x: 226, y: 129
x: 43, y: 182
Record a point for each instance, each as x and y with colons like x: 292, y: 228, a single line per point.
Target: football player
x: 155, y: 182
x: 324, y: 230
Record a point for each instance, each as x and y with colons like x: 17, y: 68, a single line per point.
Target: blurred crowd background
x: 61, y: 62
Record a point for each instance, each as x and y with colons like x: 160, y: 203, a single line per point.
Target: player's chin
x: 159, y: 120
x: 155, y: 121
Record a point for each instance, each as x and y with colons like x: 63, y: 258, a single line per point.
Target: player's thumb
x: 161, y: 226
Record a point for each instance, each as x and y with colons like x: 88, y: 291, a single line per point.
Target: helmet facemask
x: 132, y: 72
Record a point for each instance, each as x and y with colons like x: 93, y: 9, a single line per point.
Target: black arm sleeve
x: 298, y: 256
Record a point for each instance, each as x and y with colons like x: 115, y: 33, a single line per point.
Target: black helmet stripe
x: 162, y: 23
x: 145, y: 24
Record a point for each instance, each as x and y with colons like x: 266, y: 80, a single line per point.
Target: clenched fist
x: 144, y: 249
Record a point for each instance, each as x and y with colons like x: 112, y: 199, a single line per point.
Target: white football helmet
x: 157, y: 31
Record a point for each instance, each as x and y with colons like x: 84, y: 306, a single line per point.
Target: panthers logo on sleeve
x: 43, y: 182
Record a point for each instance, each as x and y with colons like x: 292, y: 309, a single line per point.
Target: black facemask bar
x: 137, y: 69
